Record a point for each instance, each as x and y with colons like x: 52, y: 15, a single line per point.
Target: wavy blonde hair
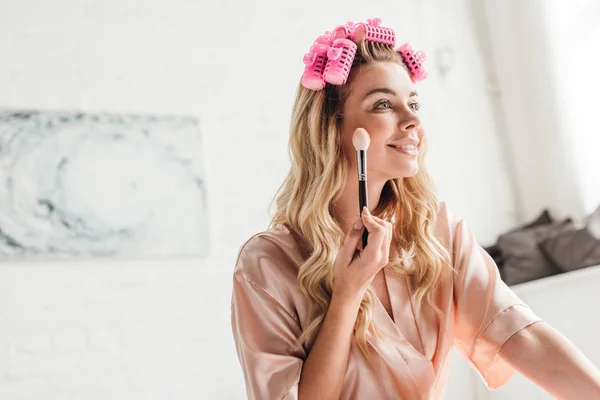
x: 305, y: 201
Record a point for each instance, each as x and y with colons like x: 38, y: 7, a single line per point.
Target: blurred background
x: 141, y: 143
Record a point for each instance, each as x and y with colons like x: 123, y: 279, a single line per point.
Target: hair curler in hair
x: 373, y: 32
x: 339, y: 61
x: 316, y: 60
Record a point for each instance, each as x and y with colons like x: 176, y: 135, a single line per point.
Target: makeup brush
x: 361, y: 141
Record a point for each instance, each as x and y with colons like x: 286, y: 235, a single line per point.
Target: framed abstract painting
x: 88, y: 185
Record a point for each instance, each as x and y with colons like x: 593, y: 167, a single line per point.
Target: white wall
x: 160, y: 329
x: 575, y: 28
x: 544, y: 52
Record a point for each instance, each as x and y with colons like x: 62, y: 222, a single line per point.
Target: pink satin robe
x: 480, y: 314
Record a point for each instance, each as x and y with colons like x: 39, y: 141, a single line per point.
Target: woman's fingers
x: 371, y: 222
x: 388, y: 229
x: 388, y: 225
x: 351, y: 241
x: 378, y: 220
x: 377, y: 233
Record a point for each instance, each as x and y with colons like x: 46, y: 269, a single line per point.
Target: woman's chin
x: 408, y: 172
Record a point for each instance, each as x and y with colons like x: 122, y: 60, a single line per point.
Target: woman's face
x: 383, y: 101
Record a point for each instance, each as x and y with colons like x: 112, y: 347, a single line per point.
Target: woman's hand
x: 352, y: 274
x: 324, y: 369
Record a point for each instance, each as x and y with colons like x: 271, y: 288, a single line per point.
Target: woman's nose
x: 411, y: 123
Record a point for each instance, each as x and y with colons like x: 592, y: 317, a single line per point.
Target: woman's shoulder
x: 269, y: 258
x: 446, y: 222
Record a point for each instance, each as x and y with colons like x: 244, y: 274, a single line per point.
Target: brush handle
x: 362, y: 201
x: 361, y: 156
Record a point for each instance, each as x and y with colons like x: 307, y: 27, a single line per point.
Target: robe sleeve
x: 265, y: 336
x: 487, y: 311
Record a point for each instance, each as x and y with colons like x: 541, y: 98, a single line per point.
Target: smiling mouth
x: 408, y: 149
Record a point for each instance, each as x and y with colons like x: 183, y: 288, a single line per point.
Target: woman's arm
x: 324, y: 368
x: 552, y: 362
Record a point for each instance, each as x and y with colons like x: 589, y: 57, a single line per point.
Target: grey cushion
x: 575, y: 249
x: 494, y: 250
x: 523, y: 258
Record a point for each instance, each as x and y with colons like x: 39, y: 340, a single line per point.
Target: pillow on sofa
x: 575, y: 249
x: 523, y: 259
x: 543, y: 219
x: 494, y: 250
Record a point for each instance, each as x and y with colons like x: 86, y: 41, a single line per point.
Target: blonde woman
x: 316, y: 316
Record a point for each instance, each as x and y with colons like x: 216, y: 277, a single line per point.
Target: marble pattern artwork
x: 88, y: 185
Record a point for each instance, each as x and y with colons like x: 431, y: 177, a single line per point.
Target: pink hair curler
x: 372, y: 31
x: 316, y: 60
x: 343, y: 31
x: 340, y: 57
x: 414, y: 62
x: 331, y: 56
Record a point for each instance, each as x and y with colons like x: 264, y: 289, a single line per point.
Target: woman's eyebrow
x: 387, y: 91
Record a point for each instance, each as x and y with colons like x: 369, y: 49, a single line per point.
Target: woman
x: 316, y: 316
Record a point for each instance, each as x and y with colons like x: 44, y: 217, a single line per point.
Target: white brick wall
x: 131, y: 330
x: 160, y: 329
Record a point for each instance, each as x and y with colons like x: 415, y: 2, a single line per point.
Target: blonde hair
x: 317, y: 177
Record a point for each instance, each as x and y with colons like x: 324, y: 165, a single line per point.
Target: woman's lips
x: 408, y: 149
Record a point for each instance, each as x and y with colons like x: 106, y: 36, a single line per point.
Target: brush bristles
x: 360, y: 139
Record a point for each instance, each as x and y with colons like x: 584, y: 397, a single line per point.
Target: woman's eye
x: 386, y: 105
x: 383, y: 103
